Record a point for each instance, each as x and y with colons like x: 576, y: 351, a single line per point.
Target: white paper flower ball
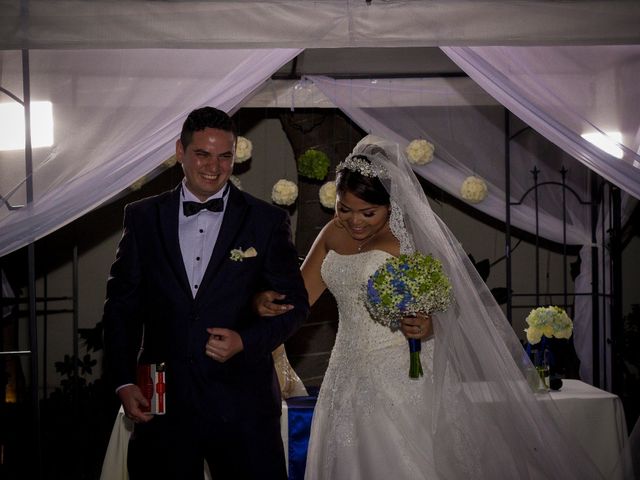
x: 243, y: 149
x: 474, y: 189
x: 284, y: 192
x: 236, y: 182
x: 327, y: 195
x: 420, y: 152
x: 137, y: 185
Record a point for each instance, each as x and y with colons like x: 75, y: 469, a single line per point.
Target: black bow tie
x: 213, y: 205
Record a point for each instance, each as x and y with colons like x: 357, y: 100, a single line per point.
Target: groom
x: 176, y: 294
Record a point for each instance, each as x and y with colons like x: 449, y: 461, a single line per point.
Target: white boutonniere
x: 237, y: 254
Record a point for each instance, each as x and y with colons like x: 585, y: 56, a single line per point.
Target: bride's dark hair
x: 366, y: 188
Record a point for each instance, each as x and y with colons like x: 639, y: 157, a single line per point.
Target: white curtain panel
x: 565, y: 93
x: 116, y: 117
x: 562, y: 99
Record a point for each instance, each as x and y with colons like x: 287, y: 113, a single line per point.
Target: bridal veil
x: 488, y: 422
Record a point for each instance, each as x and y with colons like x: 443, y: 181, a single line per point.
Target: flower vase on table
x: 545, y: 322
x: 539, y: 355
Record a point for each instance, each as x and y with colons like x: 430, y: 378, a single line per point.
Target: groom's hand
x: 223, y: 344
x: 133, y: 403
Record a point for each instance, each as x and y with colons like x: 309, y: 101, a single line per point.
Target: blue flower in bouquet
x: 404, y: 286
x: 407, y: 285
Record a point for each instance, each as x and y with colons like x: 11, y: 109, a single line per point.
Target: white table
x: 597, y: 419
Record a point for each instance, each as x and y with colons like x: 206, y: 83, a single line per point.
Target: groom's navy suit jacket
x: 150, y: 305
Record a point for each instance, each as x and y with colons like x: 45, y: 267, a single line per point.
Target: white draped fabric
x: 565, y: 93
x: 469, y: 139
x: 116, y: 116
x: 117, y: 112
x: 559, y: 91
x: 313, y: 23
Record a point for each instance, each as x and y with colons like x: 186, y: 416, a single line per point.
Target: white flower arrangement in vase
x: 548, y: 321
x: 420, y: 152
x: 284, y: 192
x: 474, y: 189
x: 327, y: 195
x: 244, y: 147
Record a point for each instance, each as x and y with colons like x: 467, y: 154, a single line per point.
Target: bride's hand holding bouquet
x: 408, y: 286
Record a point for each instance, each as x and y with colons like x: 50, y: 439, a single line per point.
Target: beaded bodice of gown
x: 371, y: 420
x: 363, y: 344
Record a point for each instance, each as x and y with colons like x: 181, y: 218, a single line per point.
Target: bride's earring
x: 339, y: 223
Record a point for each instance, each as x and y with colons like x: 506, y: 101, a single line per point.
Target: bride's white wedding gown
x: 371, y: 420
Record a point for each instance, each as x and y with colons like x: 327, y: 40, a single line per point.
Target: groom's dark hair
x: 369, y: 189
x: 205, y: 117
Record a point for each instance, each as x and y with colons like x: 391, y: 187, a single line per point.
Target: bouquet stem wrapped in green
x: 404, y: 286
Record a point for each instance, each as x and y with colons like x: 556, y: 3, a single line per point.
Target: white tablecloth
x: 596, y: 417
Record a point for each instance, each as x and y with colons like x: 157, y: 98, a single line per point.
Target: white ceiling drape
x: 567, y: 92
x: 116, y: 116
x: 469, y: 139
x: 562, y: 93
x: 43, y: 24
x: 117, y: 113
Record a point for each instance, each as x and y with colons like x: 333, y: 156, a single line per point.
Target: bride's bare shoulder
x: 332, y: 234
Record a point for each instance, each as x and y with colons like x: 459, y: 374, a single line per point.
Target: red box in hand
x: 151, y: 380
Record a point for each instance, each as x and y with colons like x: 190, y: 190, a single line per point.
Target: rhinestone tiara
x: 361, y: 164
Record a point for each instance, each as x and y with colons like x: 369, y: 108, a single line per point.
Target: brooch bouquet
x: 405, y: 286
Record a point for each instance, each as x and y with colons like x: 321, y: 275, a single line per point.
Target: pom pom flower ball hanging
x: 244, y: 149
x: 474, y: 189
x: 284, y: 192
x: 327, y: 195
x: 420, y: 152
x: 314, y: 164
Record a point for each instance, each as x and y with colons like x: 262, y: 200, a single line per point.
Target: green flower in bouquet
x: 405, y: 286
x: 314, y: 164
x: 548, y: 321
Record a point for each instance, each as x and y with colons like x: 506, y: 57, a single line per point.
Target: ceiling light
x: 12, y: 125
x: 607, y: 141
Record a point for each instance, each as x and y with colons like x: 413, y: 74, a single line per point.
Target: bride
x: 473, y: 414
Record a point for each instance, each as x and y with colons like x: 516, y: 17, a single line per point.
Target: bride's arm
x: 313, y: 263
x: 268, y: 303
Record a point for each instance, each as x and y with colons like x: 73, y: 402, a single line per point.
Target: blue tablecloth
x: 299, y: 414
